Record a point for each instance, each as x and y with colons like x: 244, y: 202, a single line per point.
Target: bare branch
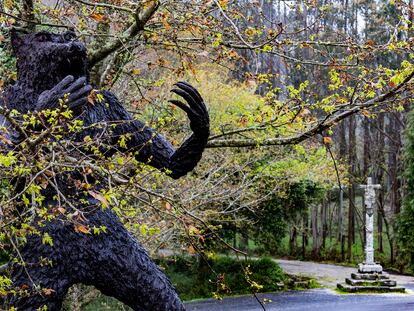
x: 142, y: 15
x: 105, y: 5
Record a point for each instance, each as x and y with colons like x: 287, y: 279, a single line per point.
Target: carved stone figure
x: 49, y: 66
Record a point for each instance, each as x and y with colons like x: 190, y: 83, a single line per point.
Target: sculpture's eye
x: 42, y: 37
x: 69, y: 36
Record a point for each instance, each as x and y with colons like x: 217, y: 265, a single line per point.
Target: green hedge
x: 195, y: 277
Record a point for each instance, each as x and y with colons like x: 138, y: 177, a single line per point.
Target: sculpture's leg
x: 123, y: 269
x: 113, y: 262
x: 39, y: 283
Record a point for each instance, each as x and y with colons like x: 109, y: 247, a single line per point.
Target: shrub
x: 195, y: 277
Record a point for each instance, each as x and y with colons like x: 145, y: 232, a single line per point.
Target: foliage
x: 196, y: 277
x: 7, y: 69
x: 271, y: 220
x: 406, y: 218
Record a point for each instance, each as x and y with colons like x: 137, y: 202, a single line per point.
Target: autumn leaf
x: 365, y: 113
x: 98, y: 17
x: 43, y: 182
x: 49, y: 173
x: 243, y: 120
x: 99, y: 197
x: 327, y: 140
x: 91, y: 98
x: 82, y: 229
x: 4, y: 139
x: 190, y: 65
x: 370, y: 43
x: 48, y: 291
x: 191, y: 250
x: 165, y: 23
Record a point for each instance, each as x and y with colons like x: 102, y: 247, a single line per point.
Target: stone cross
x: 369, y: 265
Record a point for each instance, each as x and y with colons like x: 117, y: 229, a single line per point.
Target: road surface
x: 310, y: 300
x: 324, y: 299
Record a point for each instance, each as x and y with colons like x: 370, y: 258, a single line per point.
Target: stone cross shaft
x: 369, y: 227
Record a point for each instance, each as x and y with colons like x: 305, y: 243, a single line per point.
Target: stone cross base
x: 369, y: 268
x: 371, y: 282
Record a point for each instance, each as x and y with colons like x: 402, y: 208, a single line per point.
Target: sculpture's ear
x: 16, y: 38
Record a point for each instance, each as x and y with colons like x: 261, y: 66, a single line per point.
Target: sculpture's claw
x: 189, y: 89
x: 196, y: 109
x: 181, y: 105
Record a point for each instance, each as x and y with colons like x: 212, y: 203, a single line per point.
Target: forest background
x: 307, y: 99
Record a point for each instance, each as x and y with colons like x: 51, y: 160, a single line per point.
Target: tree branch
x: 325, y: 124
x: 105, y: 5
x: 142, y: 15
x: 34, y: 22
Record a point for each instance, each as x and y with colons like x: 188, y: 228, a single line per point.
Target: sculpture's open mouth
x: 74, y: 65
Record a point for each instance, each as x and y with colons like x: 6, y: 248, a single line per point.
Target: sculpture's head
x: 49, y: 54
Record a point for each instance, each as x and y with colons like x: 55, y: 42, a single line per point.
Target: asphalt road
x: 312, y: 300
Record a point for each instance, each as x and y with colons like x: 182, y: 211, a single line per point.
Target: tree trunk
x: 305, y: 235
x: 315, y: 246
x: 292, y: 241
x: 351, y: 191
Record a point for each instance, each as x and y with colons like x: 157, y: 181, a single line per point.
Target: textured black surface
x: 48, y: 66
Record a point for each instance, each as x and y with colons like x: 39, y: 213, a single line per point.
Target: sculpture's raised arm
x: 149, y: 146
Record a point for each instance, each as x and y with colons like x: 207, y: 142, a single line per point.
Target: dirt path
x: 329, y: 275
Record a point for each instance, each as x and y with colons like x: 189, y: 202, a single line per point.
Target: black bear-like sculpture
x: 49, y: 66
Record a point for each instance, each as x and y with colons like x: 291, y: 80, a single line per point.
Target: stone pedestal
x: 373, y: 282
x: 369, y: 268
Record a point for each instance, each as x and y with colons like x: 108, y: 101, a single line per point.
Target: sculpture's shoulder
x: 108, y: 106
x: 15, y: 97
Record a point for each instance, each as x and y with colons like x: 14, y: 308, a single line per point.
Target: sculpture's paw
x: 196, y: 109
x: 77, y: 90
